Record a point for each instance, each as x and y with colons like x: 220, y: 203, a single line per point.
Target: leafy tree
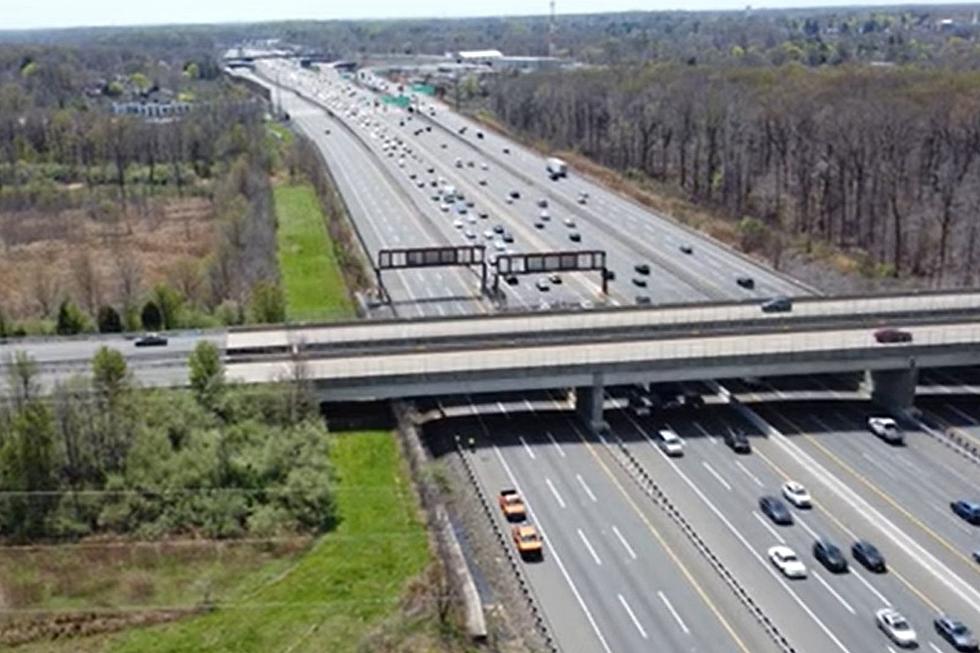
x: 170, y: 303
x: 27, y: 464
x: 206, y: 373
x: 151, y: 317
x: 4, y: 329
x: 109, y: 320
x: 71, y: 320
x: 267, y: 304
x: 109, y: 372
x: 22, y: 378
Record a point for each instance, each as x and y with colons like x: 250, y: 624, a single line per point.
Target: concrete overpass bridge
x: 592, y: 350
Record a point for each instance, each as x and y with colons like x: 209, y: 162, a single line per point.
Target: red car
x: 888, y: 336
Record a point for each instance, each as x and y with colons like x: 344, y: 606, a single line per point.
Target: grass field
x: 312, y: 279
x: 348, y: 584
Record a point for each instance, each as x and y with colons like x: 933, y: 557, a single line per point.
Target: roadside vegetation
x: 311, y: 277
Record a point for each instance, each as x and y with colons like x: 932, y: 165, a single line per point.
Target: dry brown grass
x: 157, y: 237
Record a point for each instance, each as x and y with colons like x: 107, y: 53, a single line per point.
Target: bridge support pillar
x: 893, y: 389
x: 588, y: 403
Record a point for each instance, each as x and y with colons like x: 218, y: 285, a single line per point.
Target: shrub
x: 71, y: 320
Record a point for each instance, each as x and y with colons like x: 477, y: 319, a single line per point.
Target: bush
x: 268, y: 303
x: 71, y: 320
x: 109, y: 320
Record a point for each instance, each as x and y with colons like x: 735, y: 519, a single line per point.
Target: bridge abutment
x: 588, y: 403
x: 893, y: 389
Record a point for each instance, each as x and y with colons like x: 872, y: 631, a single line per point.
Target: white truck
x: 557, y: 168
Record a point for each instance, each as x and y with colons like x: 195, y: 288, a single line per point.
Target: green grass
x: 346, y: 585
x: 312, y: 280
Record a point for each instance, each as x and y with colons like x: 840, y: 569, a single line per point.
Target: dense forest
x: 103, y: 456
x: 884, y: 161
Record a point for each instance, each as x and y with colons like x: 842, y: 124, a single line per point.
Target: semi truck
x: 557, y: 168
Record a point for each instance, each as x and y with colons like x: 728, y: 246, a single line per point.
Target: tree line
x: 101, y: 455
x: 885, y: 163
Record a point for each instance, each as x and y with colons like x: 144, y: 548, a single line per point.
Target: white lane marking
x: 503, y: 409
x: 755, y: 479
x: 741, y: 538
x: 554, y: 553
x: 837, y: 596
x: 588, y: 490
x: 561, y: 452
x: 530, y: 408
x: 712, y: 439
x: 626, y: 545
x: 629, y: 611
x: 526, y: 447
x: 677, y: 617
x: 890, y: 649
x: 871, y: 588
x: 768, y: 527
x: 588, y: 545
x: 807, y: 528
x: 551, y: 486
x: 711, y: 470
x: 935, y: 648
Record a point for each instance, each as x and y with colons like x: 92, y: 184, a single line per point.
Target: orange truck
x: 528, y: 541
x: 512, y: 505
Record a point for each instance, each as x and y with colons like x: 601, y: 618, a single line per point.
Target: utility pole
x: 552, y: 30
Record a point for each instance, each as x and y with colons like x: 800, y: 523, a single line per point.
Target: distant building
x: 486, y: 57
x: 947, y: 25
x: 153, y: 111
x: 528, y: 63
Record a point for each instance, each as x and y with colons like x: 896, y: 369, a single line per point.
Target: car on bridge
x: 512, y: 505
x: 957, y: 634
x: 527, y: 540
x: 890, y: 335
x: 886, y: 429
x: 777, y: 305
x: 868, y: 555
x: 786, y: 561
x: 968, y: 510
x: 896, y: 627
x: 830, y: 555
x: 773, y: 508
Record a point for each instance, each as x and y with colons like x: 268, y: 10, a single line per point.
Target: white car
x: 787, y: 562
x: 444, y: 207
x: 569, y: 222
x: 500, y: 246
x: 893, y: 624
x: 886, y: 429
x: 458, y: 224
x: 484, y: 166
x: 796, y: 494
x: 488, y: 234
x: 544, y: 215
x: 670, y: 443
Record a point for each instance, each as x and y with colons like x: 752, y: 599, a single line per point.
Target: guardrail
x: 947, y: 434
x: 540, y: 621
x: 642, y: 478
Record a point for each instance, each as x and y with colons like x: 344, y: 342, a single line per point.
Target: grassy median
x: 345, y: 587
x: 312, y: 279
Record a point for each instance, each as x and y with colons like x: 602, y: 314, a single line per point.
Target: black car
x: 776, y: 510
x: 539, y: 225
x: 954, y: 632
x: 778, y: 305
x: 508, y: 237
x: 506, y: 150
x: 642, y: 300
x: 687, y: 249
x: 479, y: 134
x: 745, y: 282
x: 640, y: 282
x: 543, y: 203
x: 868, y: 555
x: 498, y: 228
x: 575, y: 237
x: 968, y: 510
x: 515, y: 195
x: 151, y: 340
x: 511, y: 279
x: 830, y: 555
x: 642, y: 268
x: 738, y: 441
